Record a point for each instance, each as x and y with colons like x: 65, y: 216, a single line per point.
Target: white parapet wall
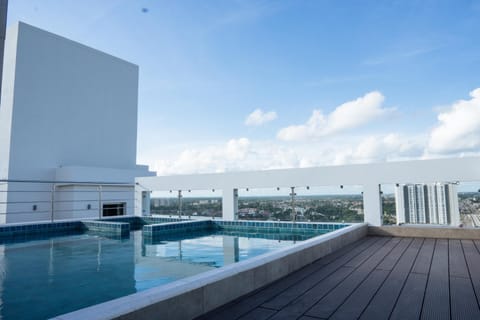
x: 370, y: 176
x: 67, y: 109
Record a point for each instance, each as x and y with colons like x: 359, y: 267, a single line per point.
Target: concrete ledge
x: 279, y: 227
x: 44, y: 228
x: 422, y: 231
x: 154, y: 220
x: 152, y: 230
x: 193, y: 296
x: 137, y: 222
x: 108, y: 227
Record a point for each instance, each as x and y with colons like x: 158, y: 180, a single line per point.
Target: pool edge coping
x: 198, y: 294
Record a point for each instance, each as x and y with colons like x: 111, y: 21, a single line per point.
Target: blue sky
x: 324, y: 82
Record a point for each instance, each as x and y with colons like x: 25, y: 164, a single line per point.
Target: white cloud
x: 237, y: 149
x: 234, y: 155
x: 381, y: 148
x: 457, y: 132
x: 242, y: 154
x: 349, y: 115
x: 458, y: 128
x: 215, y: 158
x: 258, y: 117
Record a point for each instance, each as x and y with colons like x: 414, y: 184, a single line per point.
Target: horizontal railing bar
x: 105, y: 201
x: 26, y: 191
x: 92, y: 191
x: 60, y: 182
x: 60, y: 212
x: 64, y: 191
x: 30, y: 189
x: 30, y: 212
x: 65, y: 201
x: 25, y: 202
x: 82, y: 210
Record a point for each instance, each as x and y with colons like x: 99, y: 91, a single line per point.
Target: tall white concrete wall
x: 65, y: 105
x: 9, y: 63
x: 7, y: 102
x: 72, y: 105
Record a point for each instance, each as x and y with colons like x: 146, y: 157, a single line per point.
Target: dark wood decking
x: 375, y: 278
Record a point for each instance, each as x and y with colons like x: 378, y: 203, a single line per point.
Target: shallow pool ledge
x: 193, y: 296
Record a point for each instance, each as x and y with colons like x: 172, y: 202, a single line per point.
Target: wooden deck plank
x: 307, y: 300
x: 477, y: 244
x: 298, y: 289
x: 436, y: 279
x: 358, y: 301
x: 300, y: 305
x: 410, y: 301
x: 361, y: 258
x: 391, y: 260
x: 257, y: 314
x: 436, y: 305
x: 243, y: 305
x: 327, y: 305
x: 384, y: 301
x: 463, y: 301
x: 472, y: 256
x: 363, y: 243
x: 456, y: 260
x: 424, y: 258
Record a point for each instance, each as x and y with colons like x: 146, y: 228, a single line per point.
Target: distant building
x: 429, y: 203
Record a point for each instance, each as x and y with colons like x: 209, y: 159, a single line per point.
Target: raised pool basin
x: 46, y: 277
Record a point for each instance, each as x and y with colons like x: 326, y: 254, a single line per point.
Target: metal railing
x: 39, y: 200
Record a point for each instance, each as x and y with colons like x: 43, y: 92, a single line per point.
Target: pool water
x: 44, y: 278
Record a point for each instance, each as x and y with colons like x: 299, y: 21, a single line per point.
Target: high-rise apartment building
x: 430, y: 203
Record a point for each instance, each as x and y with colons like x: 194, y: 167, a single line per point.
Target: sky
x: 253, y: 85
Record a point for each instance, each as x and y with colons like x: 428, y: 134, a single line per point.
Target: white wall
x: 370, y: 176
x: 72, y: 105
x: 65, y: 105
x: 6, y: 102
x: 9, y: 63
x: 71, y: 201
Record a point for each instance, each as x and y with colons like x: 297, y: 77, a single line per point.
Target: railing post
x: 180, y: 204
x: 235, y: 204
x: 372, y: 204
x: 229, y: 204
x: 52, y: 203
x: 144, y: 204
x: 100, y: 202
x: 294, y: 212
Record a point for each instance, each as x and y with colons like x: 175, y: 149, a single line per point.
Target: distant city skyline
x: 248, y: 85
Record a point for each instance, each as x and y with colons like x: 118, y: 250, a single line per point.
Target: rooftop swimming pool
x: 43, y: 278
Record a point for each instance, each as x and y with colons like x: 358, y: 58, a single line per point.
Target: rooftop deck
x: 374, y: 278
